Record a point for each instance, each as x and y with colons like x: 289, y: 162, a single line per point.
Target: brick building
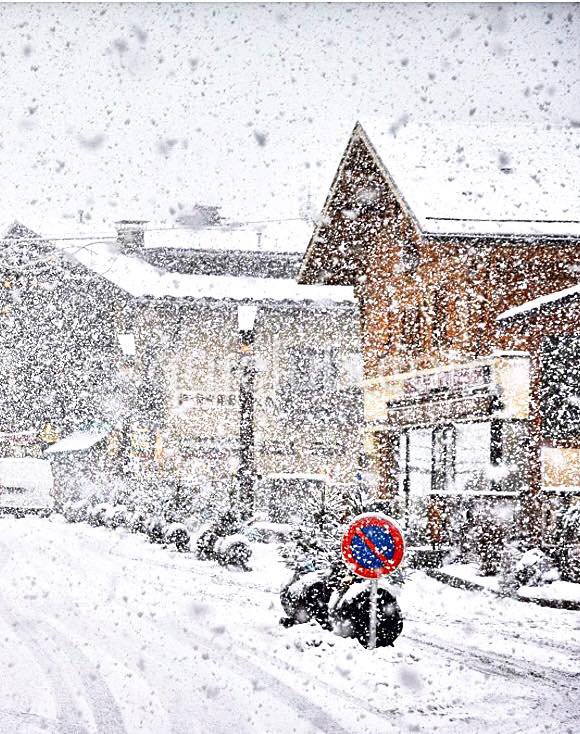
x: 440, y: 231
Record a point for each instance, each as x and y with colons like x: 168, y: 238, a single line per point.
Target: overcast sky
x: 144, y: 110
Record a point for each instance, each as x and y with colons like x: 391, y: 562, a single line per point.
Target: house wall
x: 58, y: 344
x: 308, y: 393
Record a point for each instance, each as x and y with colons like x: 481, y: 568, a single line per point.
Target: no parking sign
x: 373, y: 546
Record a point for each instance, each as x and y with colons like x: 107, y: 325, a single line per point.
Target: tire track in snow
x: 500, y: 664
x: 66, y: 709
x: 241, y: 666
x: 16, y: 718
x: 315, y: 714
x: 105, y: 710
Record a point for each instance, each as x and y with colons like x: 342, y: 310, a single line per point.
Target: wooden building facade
x: 450, y: 393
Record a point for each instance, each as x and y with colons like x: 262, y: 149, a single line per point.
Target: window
x: 409, y: 257
x: 439, y: 335
x: 412, y: 328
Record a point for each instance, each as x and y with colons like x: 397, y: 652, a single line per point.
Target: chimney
x: 131, y: 235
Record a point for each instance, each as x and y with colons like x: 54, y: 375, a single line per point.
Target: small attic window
x: 409, y: 257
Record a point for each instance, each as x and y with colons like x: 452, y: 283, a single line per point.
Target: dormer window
x: 409, y: 257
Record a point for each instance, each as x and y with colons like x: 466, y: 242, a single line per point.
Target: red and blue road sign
x: 373, y: 545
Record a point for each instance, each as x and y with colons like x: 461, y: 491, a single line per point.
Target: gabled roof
x: 464, y: 181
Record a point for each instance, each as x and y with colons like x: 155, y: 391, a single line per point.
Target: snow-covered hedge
x: 530, y: 567
x: 76, y: 511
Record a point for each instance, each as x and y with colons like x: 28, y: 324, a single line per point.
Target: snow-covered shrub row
x: 105, y: 514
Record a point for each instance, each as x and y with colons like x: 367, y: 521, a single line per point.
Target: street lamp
x: 247, y: 465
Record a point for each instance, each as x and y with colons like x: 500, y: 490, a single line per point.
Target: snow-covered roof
x: 26, y: 473
x: 139, y: 278
x: 289, y: 236
x: 492, y: 179
x: 77, y: 441
x: 539, y: 302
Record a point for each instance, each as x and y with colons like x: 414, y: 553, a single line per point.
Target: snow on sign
x: 373, y: 545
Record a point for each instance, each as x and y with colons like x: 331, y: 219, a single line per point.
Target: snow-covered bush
x: 308, y: 550
x: 137, y: 521
x: 76, y: 511
x: 96, y: 514
x: 571, y: 523
x: 569, y: 556
x: 210, y: 545
x: 233, y: 550
x: 179, y: 504
x: 510, y: 556
x: 267, y: 532
x: 487, y: 540
x: 116, y: 517
x: 178, y: 535
x: 526, y: 568
x: 534, y: 568
x: 306, y: 597
x: 205, y: 543
x: 349, y: 614
x: 156, y: 530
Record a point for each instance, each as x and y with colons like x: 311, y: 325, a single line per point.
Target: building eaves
x: 551, y: 299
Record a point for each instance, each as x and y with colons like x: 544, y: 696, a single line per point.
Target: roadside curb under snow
x: 459, y: 583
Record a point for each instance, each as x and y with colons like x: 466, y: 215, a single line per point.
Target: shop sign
x: 435, y: 411
x: 465, y: 378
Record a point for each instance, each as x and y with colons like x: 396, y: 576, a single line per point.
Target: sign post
x: 374, y: 596
x: 373, y: 547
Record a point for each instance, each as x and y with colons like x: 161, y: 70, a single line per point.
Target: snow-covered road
x: 102, y: 632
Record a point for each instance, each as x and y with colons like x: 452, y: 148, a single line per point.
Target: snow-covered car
x: 26, y: 486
